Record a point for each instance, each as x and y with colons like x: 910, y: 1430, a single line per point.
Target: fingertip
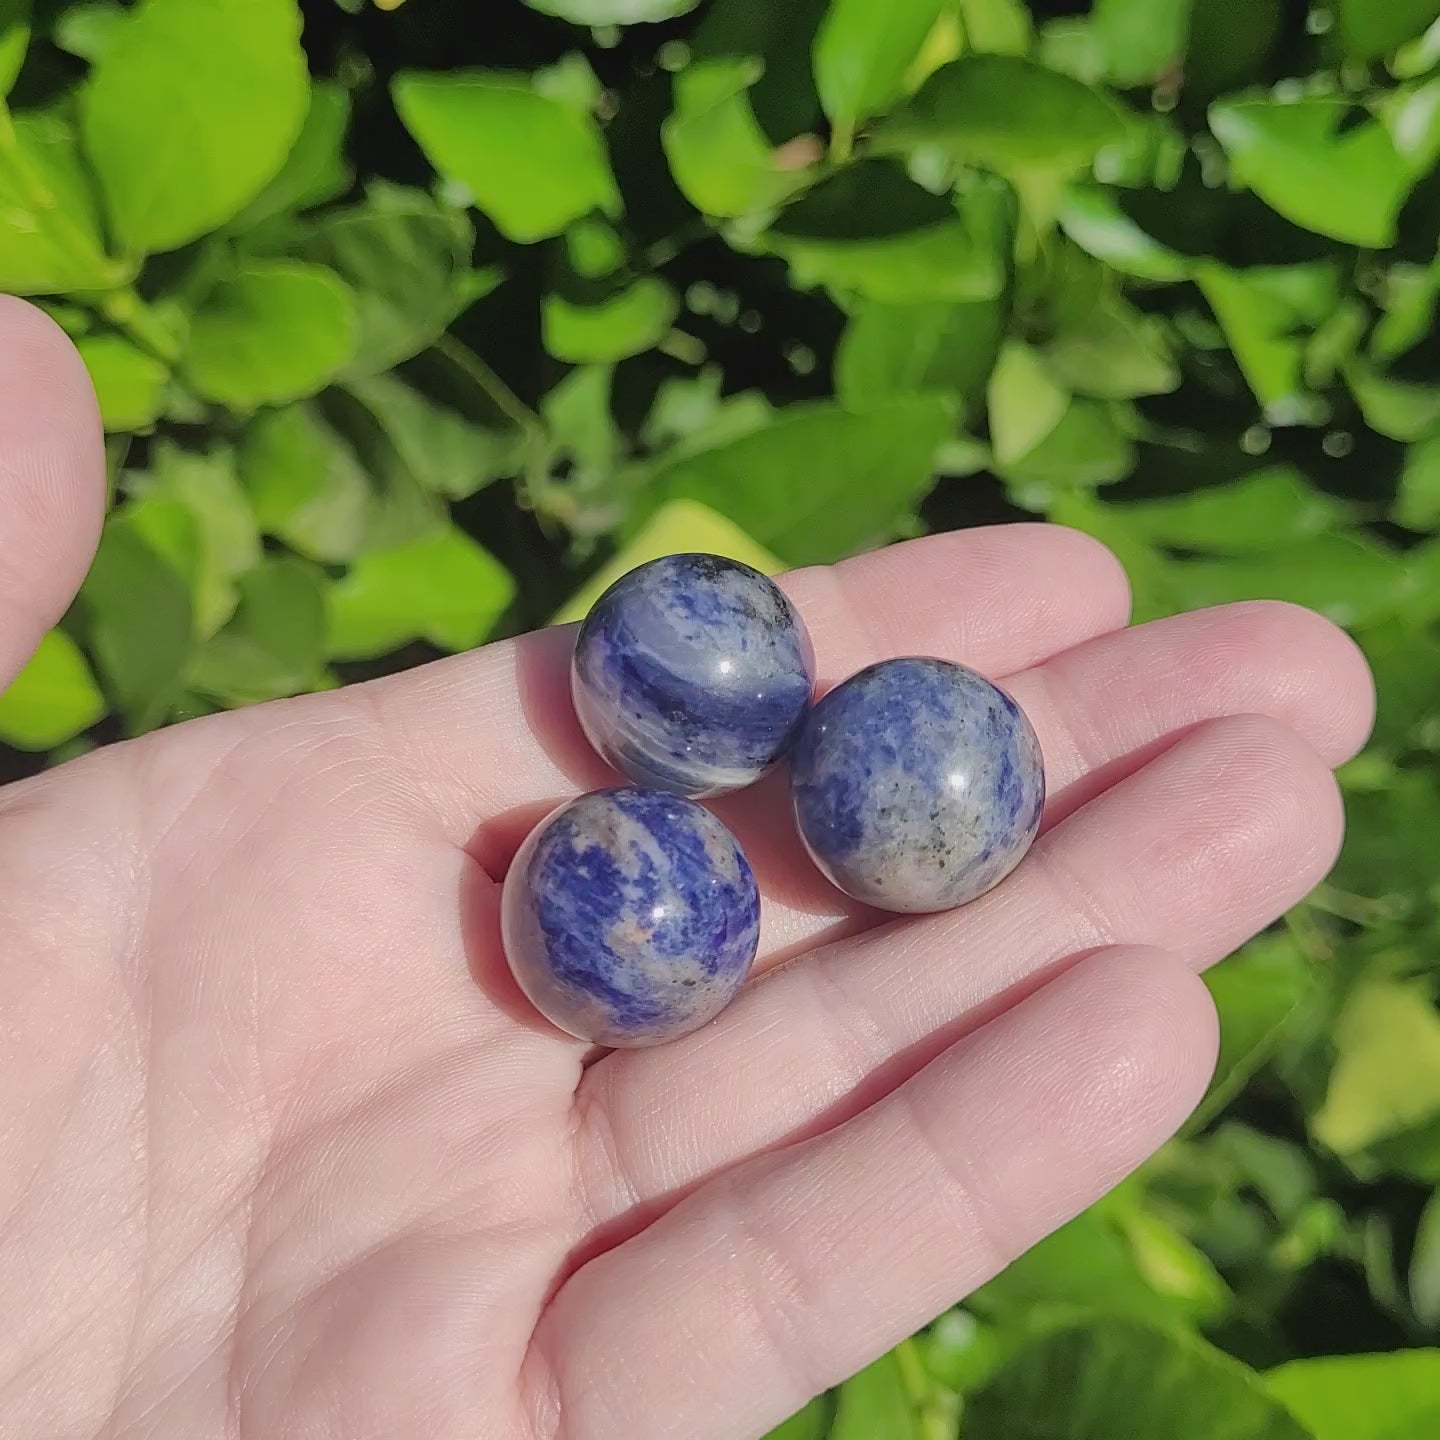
x: 52, y: 477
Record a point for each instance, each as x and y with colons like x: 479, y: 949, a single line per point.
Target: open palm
x: 284, y: 1153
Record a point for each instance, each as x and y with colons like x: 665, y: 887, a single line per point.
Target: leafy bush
x: 396, y: 356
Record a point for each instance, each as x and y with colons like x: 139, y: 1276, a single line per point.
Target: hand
x: 284, y: 1153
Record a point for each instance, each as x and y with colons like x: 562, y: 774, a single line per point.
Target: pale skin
x: 285, y: 1155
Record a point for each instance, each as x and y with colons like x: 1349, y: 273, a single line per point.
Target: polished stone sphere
x: 917, y: 785
x: 693, y: 674
x: 630, y: 917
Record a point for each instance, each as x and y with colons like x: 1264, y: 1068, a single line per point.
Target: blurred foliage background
x: 413, y: 322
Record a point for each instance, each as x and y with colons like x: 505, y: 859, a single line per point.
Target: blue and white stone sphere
x: 693, y: 674
x: 630, y: 917
x: 917, y: 785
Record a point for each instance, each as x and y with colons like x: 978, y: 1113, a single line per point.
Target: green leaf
x: 14, y: 40
x: 1270, y: 508
x: 1122, y: 1380
x: 1363, y: 1397
x: 1007, y: 114
x: 1306, y: 161
x: 689, y: 415
x: 1088, y: 447
x: 1152, y: 574
x: 812, y: 1423
x: 871, y: 231
x: 275, y: 644
x: 1386, y: 1080
x: 443, y: 588
x: 678, y: 527
x: 1424, y: 1276
x: 50, y: 239
x: 721, y: 158
x: 894, y: 350
x: 306, y: 485
x: 189, y: 112
x: 1351, y: 580
x: 53, y: 699
x: 1264, y: 312
x: 1025, y: 403
x: 1094, y: 220
x: 1397, y: 408
x: 1113, y: 352
x: 1368, y: 30
x: 1089, y: 1264
x: 613, y: 12
x: 137, y: 609
x: 87, y: 29
x: 863, y: 52
x: 445, y: 452
x: 1256, y: 992
x: 875, y: 1405
x: 220, y: 541
x: 1417, y: 502
x: 533, y: 164
x: 999, y: 27
x: 315, y: 170
x: 406, y: 258
x: 821, y: 481
x: 634, y: 319
x: 1141, y: 39
x: 129, y: 384
x: 275, y: 331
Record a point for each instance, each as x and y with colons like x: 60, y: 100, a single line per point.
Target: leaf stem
x: 504, y: 398
x: 128, y: 313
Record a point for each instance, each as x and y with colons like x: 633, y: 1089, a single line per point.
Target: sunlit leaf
x: 613, y: 12
x: 627, y: 322
x: 129, y: 384
x: 1363, y: 1397
x: 53, y: 699
x: 533, y: 164
x: 50, y: 236
x: 171, y: 120
x: 315, y: 170
x: 443, y: 588
x: 1386, y: 1080
x: 1307, y: 160
x: 678, y: 527
x: 875, y: 1405
x: 863, y: 52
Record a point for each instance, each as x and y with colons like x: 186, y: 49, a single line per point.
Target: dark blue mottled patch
x: 631, y: 917
x: 918, y: 785
x: 693, y: 674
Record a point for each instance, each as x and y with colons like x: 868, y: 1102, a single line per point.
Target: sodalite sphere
x: 918, y: 785
x: 630, y: 917
x: 693, y: 674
